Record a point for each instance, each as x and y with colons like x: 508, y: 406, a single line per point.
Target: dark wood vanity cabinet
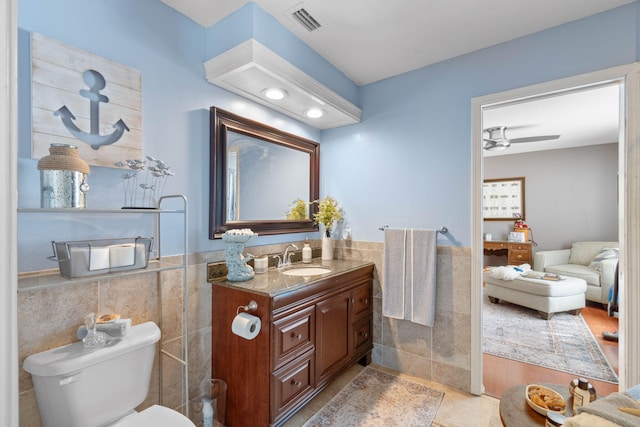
x: 308, y: 337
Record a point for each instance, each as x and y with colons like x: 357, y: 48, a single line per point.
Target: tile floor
x: 457, y: 409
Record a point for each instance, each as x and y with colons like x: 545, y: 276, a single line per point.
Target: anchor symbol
x: 96, y: 83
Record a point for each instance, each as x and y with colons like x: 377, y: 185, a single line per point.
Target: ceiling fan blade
x: 534, y: 138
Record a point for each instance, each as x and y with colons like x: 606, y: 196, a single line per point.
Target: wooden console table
x: 517, y: 252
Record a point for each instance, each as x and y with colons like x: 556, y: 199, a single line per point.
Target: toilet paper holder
x: 251, y: 307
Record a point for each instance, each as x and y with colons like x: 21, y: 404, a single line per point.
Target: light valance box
x: 93, y: 257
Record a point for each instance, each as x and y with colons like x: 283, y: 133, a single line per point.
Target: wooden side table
x: 515, y: 412
x: 517, y: 252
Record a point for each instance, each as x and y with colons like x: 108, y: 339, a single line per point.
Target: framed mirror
x: 503, y: 199
x: 258, y: 176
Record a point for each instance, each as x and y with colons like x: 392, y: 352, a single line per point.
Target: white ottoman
x: 546, y: 296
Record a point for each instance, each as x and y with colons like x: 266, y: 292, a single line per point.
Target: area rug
x: 563, y: 343
x: 376, y: 398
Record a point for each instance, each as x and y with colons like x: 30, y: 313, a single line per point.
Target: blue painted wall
x: 169, y: 50
x: 407, y: 164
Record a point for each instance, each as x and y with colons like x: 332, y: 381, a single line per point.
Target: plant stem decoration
x: 155, y: 179
x: 328, y: 213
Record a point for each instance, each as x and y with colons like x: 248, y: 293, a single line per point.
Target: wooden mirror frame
x: 220, y: 123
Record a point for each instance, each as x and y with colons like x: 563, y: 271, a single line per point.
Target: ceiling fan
x: 497, y: 139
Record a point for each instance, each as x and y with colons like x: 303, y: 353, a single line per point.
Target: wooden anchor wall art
x: 85, y: 100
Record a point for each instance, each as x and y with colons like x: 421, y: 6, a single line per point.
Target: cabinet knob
x: 296, y: 336
x: 364, y: 334
x: 296, y: 383
x: 365, y: 300
x: 519, y: 256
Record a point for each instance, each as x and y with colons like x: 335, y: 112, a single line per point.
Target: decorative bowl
x: 542, y: 400
x: 238, y: 236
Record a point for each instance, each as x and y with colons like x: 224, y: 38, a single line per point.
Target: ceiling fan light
x: 274, y: 93
x: 314, y: 113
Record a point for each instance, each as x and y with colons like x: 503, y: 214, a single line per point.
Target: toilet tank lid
x: 74, y: 357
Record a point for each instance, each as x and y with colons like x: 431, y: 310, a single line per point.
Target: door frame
x: 628, y: 77
x: 8, y: 216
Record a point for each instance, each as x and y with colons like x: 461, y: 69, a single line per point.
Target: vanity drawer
x: 361, y: 299
x: 362, y: 333
x: 291, y: 384
x: 293, y: 335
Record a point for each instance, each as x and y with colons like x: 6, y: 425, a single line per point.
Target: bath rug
x: 377, y: 398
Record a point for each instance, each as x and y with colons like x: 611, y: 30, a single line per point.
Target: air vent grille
x: 306, y: 20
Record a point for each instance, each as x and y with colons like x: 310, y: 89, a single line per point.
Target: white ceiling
x: 369, y: 40
x: 583, y: 117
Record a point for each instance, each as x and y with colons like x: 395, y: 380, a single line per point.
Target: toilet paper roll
x: 98, y: 258
x: 246, y: 326
x: 122, y: 255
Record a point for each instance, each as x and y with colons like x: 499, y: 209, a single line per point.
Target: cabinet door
x: 333, y: 340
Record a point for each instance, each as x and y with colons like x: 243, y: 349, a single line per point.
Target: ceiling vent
x: 304, y: 18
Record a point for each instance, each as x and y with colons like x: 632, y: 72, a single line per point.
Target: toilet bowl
x: 156, y: 416
x: 80, y: 387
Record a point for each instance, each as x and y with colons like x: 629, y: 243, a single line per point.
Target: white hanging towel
x: 409, y: 279
x: 395, y: 241
x: 423, y: 256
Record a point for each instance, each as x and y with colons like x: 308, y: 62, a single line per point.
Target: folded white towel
x: 607, y: 408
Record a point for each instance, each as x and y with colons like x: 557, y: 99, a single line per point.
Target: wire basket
x: 92, y: 257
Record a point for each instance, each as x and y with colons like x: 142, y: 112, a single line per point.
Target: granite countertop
x: 273, y: 282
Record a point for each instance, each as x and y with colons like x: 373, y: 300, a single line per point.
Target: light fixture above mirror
x: 254, y: 72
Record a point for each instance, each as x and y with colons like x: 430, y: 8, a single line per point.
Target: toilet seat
x: 154, y: 416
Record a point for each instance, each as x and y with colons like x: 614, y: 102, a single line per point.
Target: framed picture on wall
x: 503, y: 199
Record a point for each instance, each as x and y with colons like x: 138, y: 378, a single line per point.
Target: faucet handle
x: 279, y: 260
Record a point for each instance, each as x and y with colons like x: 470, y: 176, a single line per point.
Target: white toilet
x: 79, y: 387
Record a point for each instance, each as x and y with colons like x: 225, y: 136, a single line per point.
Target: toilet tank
x: 80, y: 387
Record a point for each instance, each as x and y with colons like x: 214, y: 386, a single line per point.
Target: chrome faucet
x: 286, y: 256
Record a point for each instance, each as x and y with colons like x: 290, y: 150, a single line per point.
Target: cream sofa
x: 595, y: 262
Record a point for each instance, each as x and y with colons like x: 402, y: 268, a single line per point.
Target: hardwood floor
x: 499, y: 374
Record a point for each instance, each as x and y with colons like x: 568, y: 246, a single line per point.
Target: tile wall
x: 441, y: 353
x: 50, y: 316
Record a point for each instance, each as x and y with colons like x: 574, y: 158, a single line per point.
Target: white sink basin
x: 306, y: 271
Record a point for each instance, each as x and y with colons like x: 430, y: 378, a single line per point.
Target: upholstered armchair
x: 595, y: 262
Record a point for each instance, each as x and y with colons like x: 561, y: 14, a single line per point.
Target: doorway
x: 565, y: 148
x: 629, y: 164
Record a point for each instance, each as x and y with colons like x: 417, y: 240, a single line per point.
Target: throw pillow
x: 583, y: 252
x: 606, y: 253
